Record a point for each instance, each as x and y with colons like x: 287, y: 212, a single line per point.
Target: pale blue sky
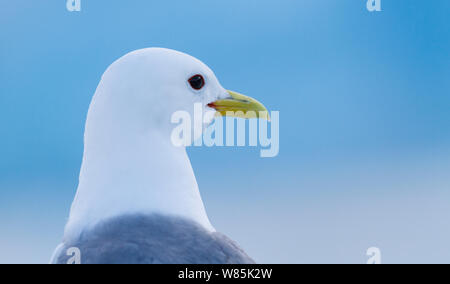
x: 364, y: 121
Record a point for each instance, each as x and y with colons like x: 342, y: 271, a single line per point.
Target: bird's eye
x: 197, y: 82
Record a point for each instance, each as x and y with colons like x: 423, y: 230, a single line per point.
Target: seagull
x: 137, y: 200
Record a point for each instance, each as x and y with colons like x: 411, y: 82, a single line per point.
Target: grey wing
x: 154, y: 239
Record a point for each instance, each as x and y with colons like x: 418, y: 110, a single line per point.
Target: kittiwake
x: 138, y: 200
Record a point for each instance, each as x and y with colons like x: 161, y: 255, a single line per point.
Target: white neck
x: 129, y: 169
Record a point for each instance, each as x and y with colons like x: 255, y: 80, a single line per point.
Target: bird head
x: 147, y: 86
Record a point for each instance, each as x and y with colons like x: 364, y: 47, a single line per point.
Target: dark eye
x: 197, y: 82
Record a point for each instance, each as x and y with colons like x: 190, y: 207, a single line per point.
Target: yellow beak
x: 238, y: 105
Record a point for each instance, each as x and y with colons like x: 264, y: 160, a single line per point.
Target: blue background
x: 364, y: 120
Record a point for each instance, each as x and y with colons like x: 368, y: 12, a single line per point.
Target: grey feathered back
x: 154, y: 239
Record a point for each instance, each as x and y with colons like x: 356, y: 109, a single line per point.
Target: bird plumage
x: 153, y: 239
